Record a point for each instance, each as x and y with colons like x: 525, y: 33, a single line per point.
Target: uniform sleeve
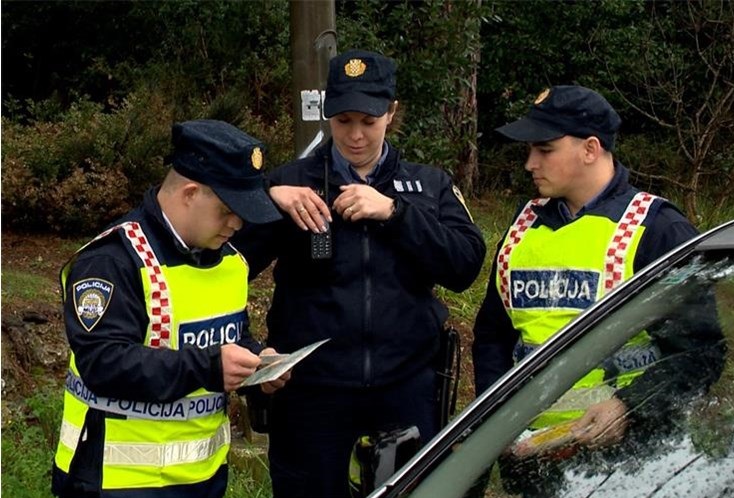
x: 447, y: 245
x: 692, y: 352
x: 494, y: 338
x: 692, y: 349
x: 668, y: 230
x: 257, y: 243
x: 109, y: 351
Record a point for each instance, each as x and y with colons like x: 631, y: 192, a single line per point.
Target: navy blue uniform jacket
x: 374, y: 298
x: 112, y: 359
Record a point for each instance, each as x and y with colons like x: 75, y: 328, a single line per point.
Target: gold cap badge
x: 257, y: 158
x: 354, y: 68
x: 542, y: 96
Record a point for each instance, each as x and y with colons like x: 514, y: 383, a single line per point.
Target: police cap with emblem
x: 226, y: 160
x: 359, y: 81
x: 566, y: 110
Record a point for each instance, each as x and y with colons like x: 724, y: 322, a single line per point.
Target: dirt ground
x: 33, y: 341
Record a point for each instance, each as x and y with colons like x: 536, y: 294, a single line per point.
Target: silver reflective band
x: 69, y: 434
x: 182, y: 409
x: 162, y: 455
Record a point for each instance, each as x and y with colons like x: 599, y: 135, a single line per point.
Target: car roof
x: 723, y: 238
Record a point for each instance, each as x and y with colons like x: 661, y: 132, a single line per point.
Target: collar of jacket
x: 323, y: 153
x: 549, y: 214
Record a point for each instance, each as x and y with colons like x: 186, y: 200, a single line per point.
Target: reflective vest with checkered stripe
x: 547, y: 277
x: 161, y: 444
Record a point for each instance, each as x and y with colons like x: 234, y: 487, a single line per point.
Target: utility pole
x: 313, y: 43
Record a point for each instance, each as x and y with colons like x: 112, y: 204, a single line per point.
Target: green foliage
x: 29, y: 439
x: 249, y: 477
x: 68, y: 175
x: 93, y: 87
x: 25, y: 286
x: 26, y: 462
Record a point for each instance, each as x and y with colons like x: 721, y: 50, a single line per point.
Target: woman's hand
x: 360, y: 202
x: 304, y: 205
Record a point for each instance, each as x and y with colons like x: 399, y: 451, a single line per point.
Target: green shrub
x: 29, y: 439
x: 78, y: 174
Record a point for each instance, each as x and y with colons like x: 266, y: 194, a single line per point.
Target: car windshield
x: 663, y: 351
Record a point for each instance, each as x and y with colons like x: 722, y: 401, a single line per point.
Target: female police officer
x: 397, y: 229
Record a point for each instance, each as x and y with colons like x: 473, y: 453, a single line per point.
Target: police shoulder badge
x: 458, y: 195
x: 354, y: 68
x: 257, y: 158
x: 91, y: 299
x: 542, y: 96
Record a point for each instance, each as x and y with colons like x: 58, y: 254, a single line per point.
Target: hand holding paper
x: 276, y: 367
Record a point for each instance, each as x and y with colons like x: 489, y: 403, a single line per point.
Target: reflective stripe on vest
x: 153, y: 455
x: 183, y: 409
x: 548, y: 286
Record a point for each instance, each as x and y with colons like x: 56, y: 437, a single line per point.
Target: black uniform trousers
x: 313, y: 430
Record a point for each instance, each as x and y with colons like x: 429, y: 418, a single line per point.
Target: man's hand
x: 603, y: 424
x: 359, y: 202
x: 274, y: 385
x: 304, y: 205
x: 238, y: 363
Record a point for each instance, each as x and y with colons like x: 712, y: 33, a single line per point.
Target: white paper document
x: 273, y: 366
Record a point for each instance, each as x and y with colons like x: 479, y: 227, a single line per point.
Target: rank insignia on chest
x: 91, y: 299
x: 407, y: 185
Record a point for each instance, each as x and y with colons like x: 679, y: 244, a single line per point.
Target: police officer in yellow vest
x: 155, y: 315
x: 589, y: 231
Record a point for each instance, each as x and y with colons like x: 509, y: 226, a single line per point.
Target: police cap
x: 566, y: 110
x: 228, y: 161
x: 359, y: 81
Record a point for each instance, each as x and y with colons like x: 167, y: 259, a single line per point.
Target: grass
x: 29, y: 438
x: 27, y: 287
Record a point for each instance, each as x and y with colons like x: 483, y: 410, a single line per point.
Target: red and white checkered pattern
x: 517, y: 231
x: 160, y: 307
x: 628, y: 224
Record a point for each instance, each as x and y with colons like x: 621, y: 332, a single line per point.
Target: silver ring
x: 349, y: 210
x: 301, y: 209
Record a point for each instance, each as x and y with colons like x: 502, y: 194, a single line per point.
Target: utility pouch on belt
x: 448, y: 368
x: 377, y: 456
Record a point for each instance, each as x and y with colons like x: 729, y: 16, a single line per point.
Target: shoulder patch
x: 91, y: 299
x: 460, y: 197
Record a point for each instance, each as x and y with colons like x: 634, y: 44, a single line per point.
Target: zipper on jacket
x: 367, y: 319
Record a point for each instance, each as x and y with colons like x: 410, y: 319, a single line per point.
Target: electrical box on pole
x: 313, y: 43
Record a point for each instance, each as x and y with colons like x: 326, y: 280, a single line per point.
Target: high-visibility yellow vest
x: 160, y: 444
x: 547, y: 277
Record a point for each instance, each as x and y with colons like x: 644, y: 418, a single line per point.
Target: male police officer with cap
x: 155, y: 315
x: 589, y: 231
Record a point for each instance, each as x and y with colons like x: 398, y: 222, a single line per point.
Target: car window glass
x: 675, y: 376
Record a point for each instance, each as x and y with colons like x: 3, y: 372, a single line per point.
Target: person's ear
x: 189, y: 191
x: 592, y: 149
x: 391, y: 110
